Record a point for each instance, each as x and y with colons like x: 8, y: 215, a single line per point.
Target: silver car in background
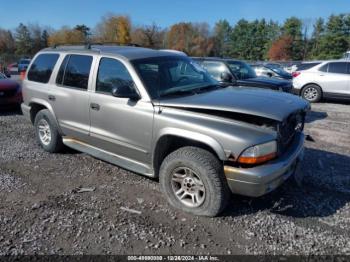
x: 328, y: 79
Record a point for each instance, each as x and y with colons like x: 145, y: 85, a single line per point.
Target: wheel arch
x: 36, y: 105
x: 173, y: 139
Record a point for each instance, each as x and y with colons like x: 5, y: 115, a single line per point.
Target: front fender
x: 209, y: 141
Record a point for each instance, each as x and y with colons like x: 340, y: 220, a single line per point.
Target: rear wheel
x: 312, y: 93
x: 192, y: 180
x: 47, y: 133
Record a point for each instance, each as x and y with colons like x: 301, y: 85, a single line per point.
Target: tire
x: 312, y: 93
x: 206, y: 173
x: 44, y: 124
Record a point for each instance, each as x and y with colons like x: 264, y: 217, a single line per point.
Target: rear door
x: 70, y: 97
x: 334, y: 78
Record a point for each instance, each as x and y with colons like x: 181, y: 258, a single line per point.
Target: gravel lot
x: 42, y: 210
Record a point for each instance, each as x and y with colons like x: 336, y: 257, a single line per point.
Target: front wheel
x: 312, y: 93
x: 192, y: 180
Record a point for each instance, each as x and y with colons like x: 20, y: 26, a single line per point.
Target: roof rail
x: 87, y: 45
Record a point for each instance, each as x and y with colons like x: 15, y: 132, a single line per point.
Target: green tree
x: 23, y: 40
x: 336, y: 38
x: 222, y: 32
x: 293, y: 28
x: 84, y: 30
x: 317, y: 34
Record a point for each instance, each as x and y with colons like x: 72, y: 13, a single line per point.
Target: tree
x: 84, y: 30
x: 7, y: 43
x: 45, y: 39
x: 23, y: 40
x: 281, y: 49
x: 222, y: 32
x: 114, y: 29
x: 148, y: 36
x: 317, y: 34
x: 66, y: 35
x: 293, y: 28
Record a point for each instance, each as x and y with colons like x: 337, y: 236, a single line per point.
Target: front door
x: 121, y: 126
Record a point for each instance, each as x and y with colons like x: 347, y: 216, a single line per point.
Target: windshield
x: 164, y: 76
x: 241, y: 70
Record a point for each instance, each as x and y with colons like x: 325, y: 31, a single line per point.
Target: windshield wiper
x: 208, y: 87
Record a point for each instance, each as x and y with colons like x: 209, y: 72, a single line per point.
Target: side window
x: 113, y: 74
x: 324, y: 68
x: 41, y: 69
x: 337, y: 67
x: 215, y: 68
x: 76, y: 72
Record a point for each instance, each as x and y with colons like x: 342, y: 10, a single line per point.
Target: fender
x: 209, y: 141
x: 49, y: 107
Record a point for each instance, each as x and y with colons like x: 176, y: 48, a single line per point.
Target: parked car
x: 305, y: 66
x: 235, y: 72
x: 329, y: 79
x: 12, y: 68
x: 265, y: 71
x: 10, y: 92
x: 23, y: 65
x: 159, y: 114
x: 346, y: 55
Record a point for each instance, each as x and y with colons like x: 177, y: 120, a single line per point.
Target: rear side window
x: 306, y: 66
x: 338, y: 67
x: 42, y: 67
x: 75, y: 71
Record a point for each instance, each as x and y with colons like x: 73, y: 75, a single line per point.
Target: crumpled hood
x: 251, y: 101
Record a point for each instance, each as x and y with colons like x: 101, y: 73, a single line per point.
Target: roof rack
x: 88, y: 45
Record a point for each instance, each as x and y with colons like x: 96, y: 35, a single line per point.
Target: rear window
x: 75, y: 71
x: 42, y: 67
x: 306, y: 66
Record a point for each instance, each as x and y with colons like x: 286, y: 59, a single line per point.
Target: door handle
x: 52, y: 98
x: 95, y: 106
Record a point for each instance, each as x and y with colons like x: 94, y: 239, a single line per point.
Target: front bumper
x: 260, y: 180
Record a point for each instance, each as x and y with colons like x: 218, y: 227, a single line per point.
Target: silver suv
x: 159, y: 114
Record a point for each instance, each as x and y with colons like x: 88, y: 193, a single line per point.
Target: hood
x: 7, y: 84
x: 268, y: 81
x: 250, y: 101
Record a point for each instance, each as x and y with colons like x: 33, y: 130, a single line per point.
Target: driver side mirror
x: 226, y: 77
x: 125, y: 91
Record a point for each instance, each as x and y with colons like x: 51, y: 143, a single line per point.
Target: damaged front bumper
x: 260, y: 180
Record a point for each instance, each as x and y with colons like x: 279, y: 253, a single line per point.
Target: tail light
x: 295, y: 74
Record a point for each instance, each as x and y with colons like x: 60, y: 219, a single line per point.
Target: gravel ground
x: 44, y: 211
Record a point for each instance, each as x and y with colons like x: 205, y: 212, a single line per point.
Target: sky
x: 57, y: 13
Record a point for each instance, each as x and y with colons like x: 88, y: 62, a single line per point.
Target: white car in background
x: 328, y: 79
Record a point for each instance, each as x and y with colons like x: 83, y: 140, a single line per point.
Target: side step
x: 117, y: 160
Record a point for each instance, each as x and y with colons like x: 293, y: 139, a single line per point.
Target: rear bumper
x: 260, y: 180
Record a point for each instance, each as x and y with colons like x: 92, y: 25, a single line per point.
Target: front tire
x: 192, y: 180
x: 312, y: 93
x: 47, y: 132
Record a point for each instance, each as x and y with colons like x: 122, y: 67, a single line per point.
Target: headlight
x: 259, y: 153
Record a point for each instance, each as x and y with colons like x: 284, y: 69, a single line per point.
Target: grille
x: 8, y: 93
x: 287, y: 130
